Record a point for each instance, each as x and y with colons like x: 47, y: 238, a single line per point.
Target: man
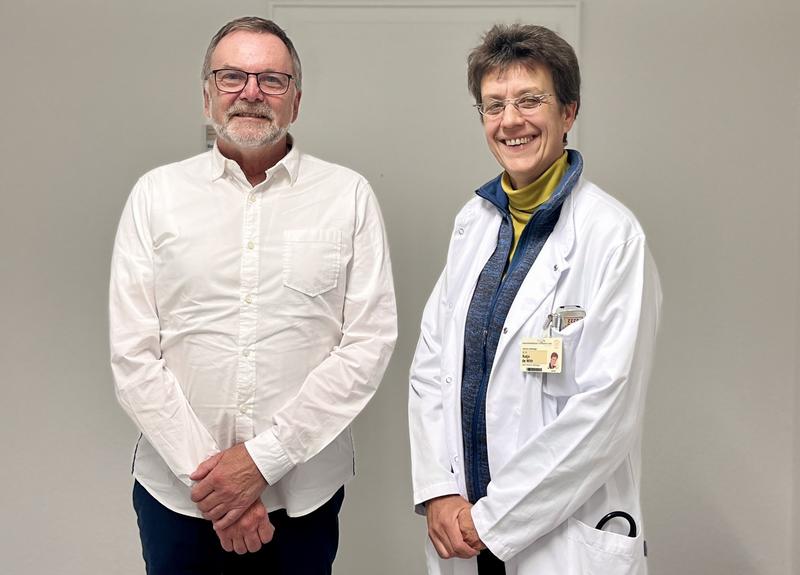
x: 515, y: 467
x: 252, y: 316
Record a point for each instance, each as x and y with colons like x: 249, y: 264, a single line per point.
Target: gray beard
x: 253, y: 138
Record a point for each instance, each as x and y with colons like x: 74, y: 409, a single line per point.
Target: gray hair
x: 504, y: 46
x: 261, y: 26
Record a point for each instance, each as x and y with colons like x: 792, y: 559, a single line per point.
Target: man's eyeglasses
x: 232, y: 81
x: 526, y: 104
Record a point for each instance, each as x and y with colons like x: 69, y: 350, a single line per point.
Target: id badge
x: 541, y: 355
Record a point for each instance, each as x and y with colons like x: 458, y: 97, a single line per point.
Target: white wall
x: 690, y: 116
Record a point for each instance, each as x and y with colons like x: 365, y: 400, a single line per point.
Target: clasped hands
x: 451, y: 529
x: 228, y: 492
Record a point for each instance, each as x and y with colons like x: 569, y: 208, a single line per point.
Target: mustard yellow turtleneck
x: 522, y: 203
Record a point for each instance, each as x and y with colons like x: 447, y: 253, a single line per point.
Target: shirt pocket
x: 311, y: 260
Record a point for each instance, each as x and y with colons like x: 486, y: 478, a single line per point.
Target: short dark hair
x: 262, y: 26
x: 504, y: 46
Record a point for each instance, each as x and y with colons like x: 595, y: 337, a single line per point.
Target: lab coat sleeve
x: 336, y: 391
x: 432, y: 472
x: 145, y: 387
x: 557, y: 471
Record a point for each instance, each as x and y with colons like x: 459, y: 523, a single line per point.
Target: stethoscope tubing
x: 626, y: 516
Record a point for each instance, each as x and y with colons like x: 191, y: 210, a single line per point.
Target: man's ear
x: 206, y: 102
x: 296, y: 106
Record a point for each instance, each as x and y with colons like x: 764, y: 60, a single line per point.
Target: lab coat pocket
x: 596, y: 552
x: 311, y: 259
x: 563, y: 384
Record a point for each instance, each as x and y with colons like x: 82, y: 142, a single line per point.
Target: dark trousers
x: 489, y: 564
x: 175, y: 544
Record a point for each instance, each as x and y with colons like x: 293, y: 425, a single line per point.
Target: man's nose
x: 251, y: 91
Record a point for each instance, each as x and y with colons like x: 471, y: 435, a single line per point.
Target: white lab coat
x: 563, y: 450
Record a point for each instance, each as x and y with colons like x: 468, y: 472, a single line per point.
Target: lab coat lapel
x: 480, y: 234
x: 542, y: 278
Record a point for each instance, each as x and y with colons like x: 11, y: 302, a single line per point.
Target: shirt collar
x: 290, y: 163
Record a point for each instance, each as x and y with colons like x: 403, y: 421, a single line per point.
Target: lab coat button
x: 460, y: 231
x: 246, y: 353
x: 448, y: 379
x: 243, y: 409
x: 250, y: 245
x: 505, y: 330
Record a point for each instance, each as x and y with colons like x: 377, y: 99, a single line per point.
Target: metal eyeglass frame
x: 542, y: 98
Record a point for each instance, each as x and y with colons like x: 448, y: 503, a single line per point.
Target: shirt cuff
x: 269, y: 456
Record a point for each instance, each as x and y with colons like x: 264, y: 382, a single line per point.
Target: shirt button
x: 448, y: 379
x: 243, y: 409
x: 250, y: 245
x: 460, y: 231
x: 248, y: 299
x: 251, y: 198
x: 246, y: 353
x: 505, y: 330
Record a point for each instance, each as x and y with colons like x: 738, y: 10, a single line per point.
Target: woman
x: 514, y: 467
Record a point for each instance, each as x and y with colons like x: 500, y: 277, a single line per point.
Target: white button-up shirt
x: 264, y: 315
